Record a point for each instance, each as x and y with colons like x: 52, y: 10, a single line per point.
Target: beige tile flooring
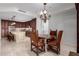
x: 23, y: 49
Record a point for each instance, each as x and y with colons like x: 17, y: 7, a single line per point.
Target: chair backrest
x: 53, y: 33
x: 34, y: 36
x: 59, y: 37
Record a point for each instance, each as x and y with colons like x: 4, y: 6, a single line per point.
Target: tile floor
x: 23, y: 49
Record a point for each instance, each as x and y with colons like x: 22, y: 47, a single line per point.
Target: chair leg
x: 31, y: 47
x: 44, y: 48
x: 58, y: 49
x: 48, y: 47
x: 37, y: 53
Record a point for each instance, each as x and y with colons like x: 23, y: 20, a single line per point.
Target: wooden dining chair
x: 53, y: 35
x: 55, y: 45
x: 37, y: 44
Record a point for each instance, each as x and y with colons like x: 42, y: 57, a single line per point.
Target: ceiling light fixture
x: 43, y: 14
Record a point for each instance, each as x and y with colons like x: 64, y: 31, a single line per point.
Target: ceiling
x: 7, y: 10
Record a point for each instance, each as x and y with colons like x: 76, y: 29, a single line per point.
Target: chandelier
x: 43, y: 14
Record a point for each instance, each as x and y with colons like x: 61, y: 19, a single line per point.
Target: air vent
x: 22, y: 11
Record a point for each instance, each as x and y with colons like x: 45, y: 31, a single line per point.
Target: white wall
x: 67, y: 22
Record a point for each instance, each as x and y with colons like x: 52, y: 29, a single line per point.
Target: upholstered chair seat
x: 52, y: 43
x: 39, y: 44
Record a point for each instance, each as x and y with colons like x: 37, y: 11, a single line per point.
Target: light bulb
x: 41, y: 13
x: 45, y: 11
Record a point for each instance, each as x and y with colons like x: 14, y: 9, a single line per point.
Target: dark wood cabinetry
x: 33, y: 23
x: 20, y: 25
x: 4, y: 27
x: 6, y: 23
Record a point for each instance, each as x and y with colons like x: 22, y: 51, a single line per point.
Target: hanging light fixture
x: 43, y: 14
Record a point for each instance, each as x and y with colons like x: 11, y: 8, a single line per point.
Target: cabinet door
x: 33, y: 24
x: 2, y: 28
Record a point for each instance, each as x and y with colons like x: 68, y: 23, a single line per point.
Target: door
x: 77, y: 8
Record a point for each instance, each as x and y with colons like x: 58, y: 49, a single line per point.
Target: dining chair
x: 55, y: 45
x: 37, y: 44
x: 53, y: 35
x: 10, y: 36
